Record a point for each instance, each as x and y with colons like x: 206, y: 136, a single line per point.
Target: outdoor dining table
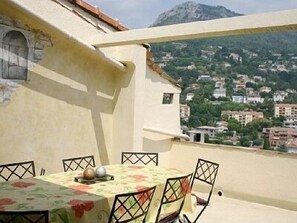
x: 75, y: 202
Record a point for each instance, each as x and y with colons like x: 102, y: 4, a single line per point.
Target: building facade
x: 285, y: 110
x: 279, y: 136
x: 243, y: 117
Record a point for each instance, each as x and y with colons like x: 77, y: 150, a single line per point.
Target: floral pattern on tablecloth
x: 70, y: 201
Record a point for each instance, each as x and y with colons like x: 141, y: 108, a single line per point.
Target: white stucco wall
x: 261, y: 176
x: 165, y: 117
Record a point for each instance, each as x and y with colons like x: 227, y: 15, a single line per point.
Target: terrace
x: 256, y: 186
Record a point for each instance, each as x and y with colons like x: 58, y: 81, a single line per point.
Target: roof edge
x: 155, y: 67
x: 95, y: 11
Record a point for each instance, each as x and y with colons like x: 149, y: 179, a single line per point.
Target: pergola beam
x: 241, y: 25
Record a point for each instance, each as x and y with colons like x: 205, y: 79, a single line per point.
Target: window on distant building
x: 15, y: 56
x: 167, y: 98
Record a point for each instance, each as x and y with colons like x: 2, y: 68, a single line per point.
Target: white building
x: 219, y: 92
x: 239, y: 99
x: 189, y: 96
x: 265, y: 89
x: 279, y: 96
x: 254, y: 98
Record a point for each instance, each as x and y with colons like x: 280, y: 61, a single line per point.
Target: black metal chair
x: 19, y: 170
x: 175, y: 190
x: 77, y: 163
x: 140, y: 158
x: 24, y: 216
x: 205, y: 173
x: 130, y: 207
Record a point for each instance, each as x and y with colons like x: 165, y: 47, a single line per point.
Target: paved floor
x: 227, y: 210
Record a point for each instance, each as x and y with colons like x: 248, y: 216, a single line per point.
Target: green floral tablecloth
x: 70, y: 201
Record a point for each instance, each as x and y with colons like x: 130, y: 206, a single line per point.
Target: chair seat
x: 169, y: 218
x: 200, y: 201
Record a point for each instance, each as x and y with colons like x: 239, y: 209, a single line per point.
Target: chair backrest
x: 24, y: 216
x: 206, y: 172
x: 78, y: 163
x: 129, y: 207
x: 140, y: 158
x: 175, y: 190
x: 17, y: 170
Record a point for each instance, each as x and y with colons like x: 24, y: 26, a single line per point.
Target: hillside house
x: 265, y: 89
x: 279, y: 96
x: 219, y: 92
x: 189, y: 96
x: 239, y: 99
x: 254, y: 97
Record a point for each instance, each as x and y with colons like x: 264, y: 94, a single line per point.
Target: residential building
x: 290, y: 123
x: 279, y: 136
x: 219, y: 92
x: 292, y: 91
x: 239, y: 99
x: 285, y: 110
x: 220, y: 84
x: 235, y: 57
x: 185, y: 112
x: 209, y: 130
x: 222, y: 126
x: 189, y: 96
x: 198, y: 134
x: 265, y: 89
x: 243, y: 117
x: 258, y: 78
x: 239, y: 84
x: 279, y: 96
x: 254, y: 97
x: 205, y: 78
x: 167, y: 57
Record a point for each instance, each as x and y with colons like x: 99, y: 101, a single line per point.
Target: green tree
x: 234, y: 125
x: 245, y: 141
x: 266, y: 145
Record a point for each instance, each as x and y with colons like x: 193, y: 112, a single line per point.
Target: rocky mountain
x: 280, y: 42
x: 191, y: 11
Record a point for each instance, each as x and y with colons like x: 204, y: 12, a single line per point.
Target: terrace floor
x: 228, y: 210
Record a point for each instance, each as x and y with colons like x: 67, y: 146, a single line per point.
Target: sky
x: 136, y: 14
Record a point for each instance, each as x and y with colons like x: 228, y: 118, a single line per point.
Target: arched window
x: 15, y: 56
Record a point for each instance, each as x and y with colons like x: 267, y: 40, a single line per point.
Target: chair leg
x: 187, y: 220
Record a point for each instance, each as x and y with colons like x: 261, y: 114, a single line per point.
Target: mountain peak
x: 191, y: 11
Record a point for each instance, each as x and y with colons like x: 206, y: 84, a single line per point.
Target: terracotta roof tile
x: 95, y: 11
x: 155, y: 67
